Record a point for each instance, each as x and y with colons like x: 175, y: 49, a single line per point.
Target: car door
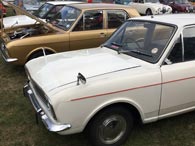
x: 178, y: 76
x: 89, y: 31
x: 115, y: 18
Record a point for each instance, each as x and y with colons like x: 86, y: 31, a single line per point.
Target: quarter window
x: 116, y: 18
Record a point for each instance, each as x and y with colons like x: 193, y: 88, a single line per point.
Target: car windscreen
x: 43, y: 10
x: 141, y: 39
x: 66, y: 17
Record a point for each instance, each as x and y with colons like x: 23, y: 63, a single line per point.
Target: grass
x: 18, y: 126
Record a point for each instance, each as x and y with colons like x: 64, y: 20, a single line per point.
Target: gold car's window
x: 66, y: 17
x: 53, y: 11
x: 43, y: 10
x: 91, y: 20
x: 116, y: 18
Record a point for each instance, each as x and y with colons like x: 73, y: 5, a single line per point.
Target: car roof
x: 86, y: 6
x: 174, y: 19
x: 63, y: 2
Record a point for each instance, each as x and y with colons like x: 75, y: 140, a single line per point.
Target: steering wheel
x: 135, y: 41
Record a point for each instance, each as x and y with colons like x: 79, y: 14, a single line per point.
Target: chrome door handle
x: 102, y: 34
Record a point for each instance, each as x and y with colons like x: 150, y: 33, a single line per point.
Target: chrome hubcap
x: 112, y: 129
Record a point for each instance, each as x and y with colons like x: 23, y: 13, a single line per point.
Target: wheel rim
x: 112, y: 129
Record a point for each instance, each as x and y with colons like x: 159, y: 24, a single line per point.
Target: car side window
x: 91, y: 20
x: 116, y: 18
x: 189, y: 43
x: 178, y: 54
x: 53, y: 11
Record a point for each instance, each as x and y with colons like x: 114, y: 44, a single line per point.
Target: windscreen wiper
x: 140, y: 53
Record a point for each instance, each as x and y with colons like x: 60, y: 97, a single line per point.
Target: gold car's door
x: 178, y: 76
x: 89, y: 31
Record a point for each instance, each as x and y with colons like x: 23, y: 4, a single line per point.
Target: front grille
x: 40, y: 92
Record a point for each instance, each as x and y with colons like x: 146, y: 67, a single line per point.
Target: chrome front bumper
x: 5, y: 56
x: 49, y: 124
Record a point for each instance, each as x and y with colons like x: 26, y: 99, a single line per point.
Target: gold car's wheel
x: 111, y: 127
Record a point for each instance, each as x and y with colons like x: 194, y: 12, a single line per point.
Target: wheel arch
x: 131, y: 106
x: 39, y: 49
x: 149, y: 9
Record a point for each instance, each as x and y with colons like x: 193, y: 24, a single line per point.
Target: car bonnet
x: 24, y: 12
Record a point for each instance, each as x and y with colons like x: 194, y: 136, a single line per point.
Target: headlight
x: 50, y: 109
x: 4, y: 49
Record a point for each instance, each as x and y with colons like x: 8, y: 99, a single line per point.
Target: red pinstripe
x: 146, y: 86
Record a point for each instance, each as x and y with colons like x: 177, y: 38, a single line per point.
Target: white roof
x: 175, y: 19
x: 63, y: 2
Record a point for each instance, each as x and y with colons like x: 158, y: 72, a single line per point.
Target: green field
x: 18, y: 125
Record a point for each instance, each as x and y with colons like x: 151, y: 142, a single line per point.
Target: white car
x: 150, y: 7
x: 136, y: 75
x: 46, y: 11
x: 33, y: 5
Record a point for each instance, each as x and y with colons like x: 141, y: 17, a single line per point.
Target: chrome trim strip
x: 49, y: 124
x: 5, y: 57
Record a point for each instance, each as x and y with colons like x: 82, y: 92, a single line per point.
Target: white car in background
x: 33, y: 5
x: 46, y: 11
x: 29, y: 5
x: 150, y: 7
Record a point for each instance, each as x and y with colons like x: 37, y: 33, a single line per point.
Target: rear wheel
x: 148, y: 12
x: 111, y: 127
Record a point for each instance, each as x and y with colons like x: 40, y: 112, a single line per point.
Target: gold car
x: 76, y: 26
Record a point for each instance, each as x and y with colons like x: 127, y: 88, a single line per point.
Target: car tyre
x: 148, y: 12
x: 111, y: 127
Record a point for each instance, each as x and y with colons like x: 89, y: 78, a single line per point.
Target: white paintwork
x: 52, y: 69
x: 18, y: 20
x: 155, y: 90
x: 156, y: 8
x: 21, y: 20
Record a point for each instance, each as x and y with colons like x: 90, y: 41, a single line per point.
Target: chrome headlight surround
x: 50, y: 108
x: 4, y: 49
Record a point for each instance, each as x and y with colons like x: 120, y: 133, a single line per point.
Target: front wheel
x: 111, y: 127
